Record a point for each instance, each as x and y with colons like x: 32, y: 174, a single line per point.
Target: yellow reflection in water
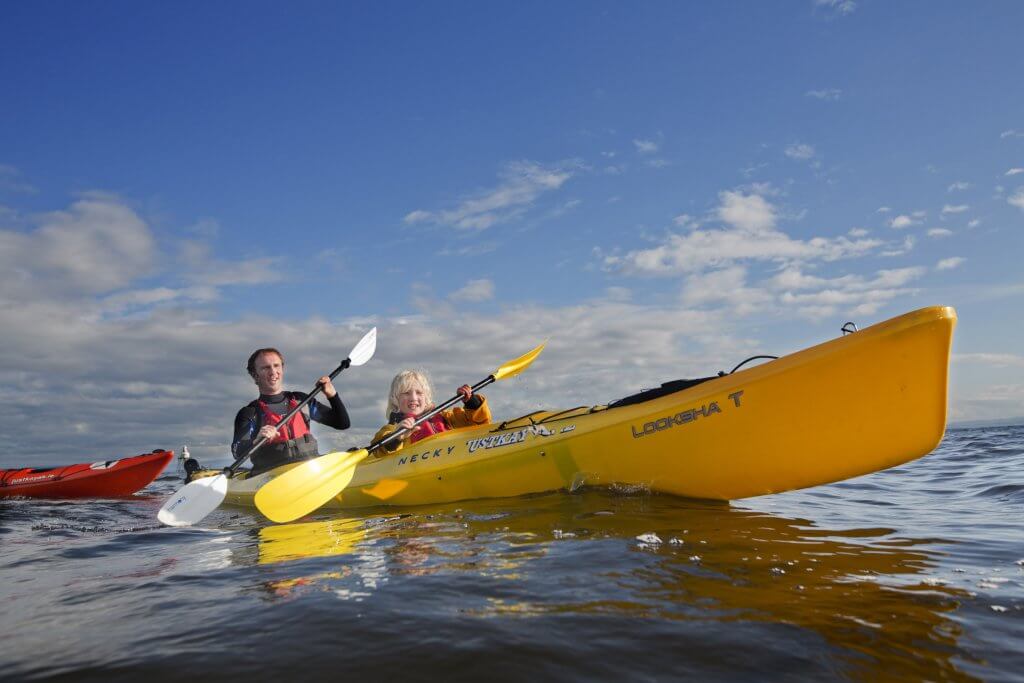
x: 284, y: 542
x: 862, y: 591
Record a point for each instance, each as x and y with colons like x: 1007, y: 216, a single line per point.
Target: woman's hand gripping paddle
x: 195, y: 500
x: 306, y: 487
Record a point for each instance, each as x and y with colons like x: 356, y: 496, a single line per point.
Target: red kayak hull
x: 86, y: 480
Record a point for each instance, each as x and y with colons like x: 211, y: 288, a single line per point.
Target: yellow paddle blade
x: 304, y: 488
x: 514, y: 367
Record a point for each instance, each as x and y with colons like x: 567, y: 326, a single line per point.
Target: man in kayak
x: 262, y: 417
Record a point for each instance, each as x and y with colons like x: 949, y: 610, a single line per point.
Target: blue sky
x: 661, y: 188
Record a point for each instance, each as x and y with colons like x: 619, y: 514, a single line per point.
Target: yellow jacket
x: 454, y: 418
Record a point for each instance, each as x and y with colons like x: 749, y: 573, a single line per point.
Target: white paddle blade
x: 364, y: 349
x: 194, y: 501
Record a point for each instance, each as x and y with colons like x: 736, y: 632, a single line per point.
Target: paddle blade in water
x: 364, y: 350
x: 194, y: 501
x: 305, y: 488
x: 514, y: 367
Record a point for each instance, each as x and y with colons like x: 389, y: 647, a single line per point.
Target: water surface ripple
x: 916, y: 573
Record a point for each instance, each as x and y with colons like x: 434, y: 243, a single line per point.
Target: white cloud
x: 1017, y: 199
x: 646, y: 146
x: 1015, y: 171
x: 902, y: 221
x: 939, y: 232
x: 658, y: 163
x: 828, y: 94
x: 205, y: 270
x: 750, y: 235
x: 475, y: 249
x: 973, y: 223
x: 949, y: 263
x: 618, y: 293
x: 883, y: 209
x: 958, y: 186
x: 999, y: 360
x: 959, y: 208
x: 858, y: 232
x: 133, y: 300
x: 474, y: 291
x: 522, y: 183
x: 839, y: 6
x: 684, y: 220
x: 749, y: 212
x: 908, y: 245
x: 97, y: 245
x: 800, y: 151
x: 418, y: 216
x: 793, y: 279
x: 985, y: 402
x: 852, y: 293
x: 1012, y: 133
x: 11, y: 181
x: 726, y: 286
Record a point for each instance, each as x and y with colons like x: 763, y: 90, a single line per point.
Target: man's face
x: 269, y: 373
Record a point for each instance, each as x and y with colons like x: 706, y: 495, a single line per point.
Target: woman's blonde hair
x: 402, y: 382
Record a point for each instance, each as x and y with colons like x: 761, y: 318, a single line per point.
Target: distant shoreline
x: 1001, y: 422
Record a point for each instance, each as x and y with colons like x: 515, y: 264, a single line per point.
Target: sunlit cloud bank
x: 101, y: 366
x: 715, y: 264
x: 108, y: 354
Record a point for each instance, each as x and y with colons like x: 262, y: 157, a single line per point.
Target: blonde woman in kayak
x: 411, y: 396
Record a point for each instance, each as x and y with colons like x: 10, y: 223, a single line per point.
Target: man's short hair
x: 251, y: 365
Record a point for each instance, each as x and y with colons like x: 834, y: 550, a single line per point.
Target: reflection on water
x: 862, y: 592
x: 283, y: 542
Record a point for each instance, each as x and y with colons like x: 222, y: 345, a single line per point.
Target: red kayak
x: 99, y: 479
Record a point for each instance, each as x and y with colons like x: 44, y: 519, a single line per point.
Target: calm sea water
x: 913, y: 573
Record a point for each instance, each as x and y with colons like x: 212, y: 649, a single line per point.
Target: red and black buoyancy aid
x: 296, y: 427
x: 293, y: 441
x: 434, y: 425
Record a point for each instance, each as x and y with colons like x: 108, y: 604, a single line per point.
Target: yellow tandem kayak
x: 857, y: 404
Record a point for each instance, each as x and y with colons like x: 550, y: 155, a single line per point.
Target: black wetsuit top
x: 249, y: 420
